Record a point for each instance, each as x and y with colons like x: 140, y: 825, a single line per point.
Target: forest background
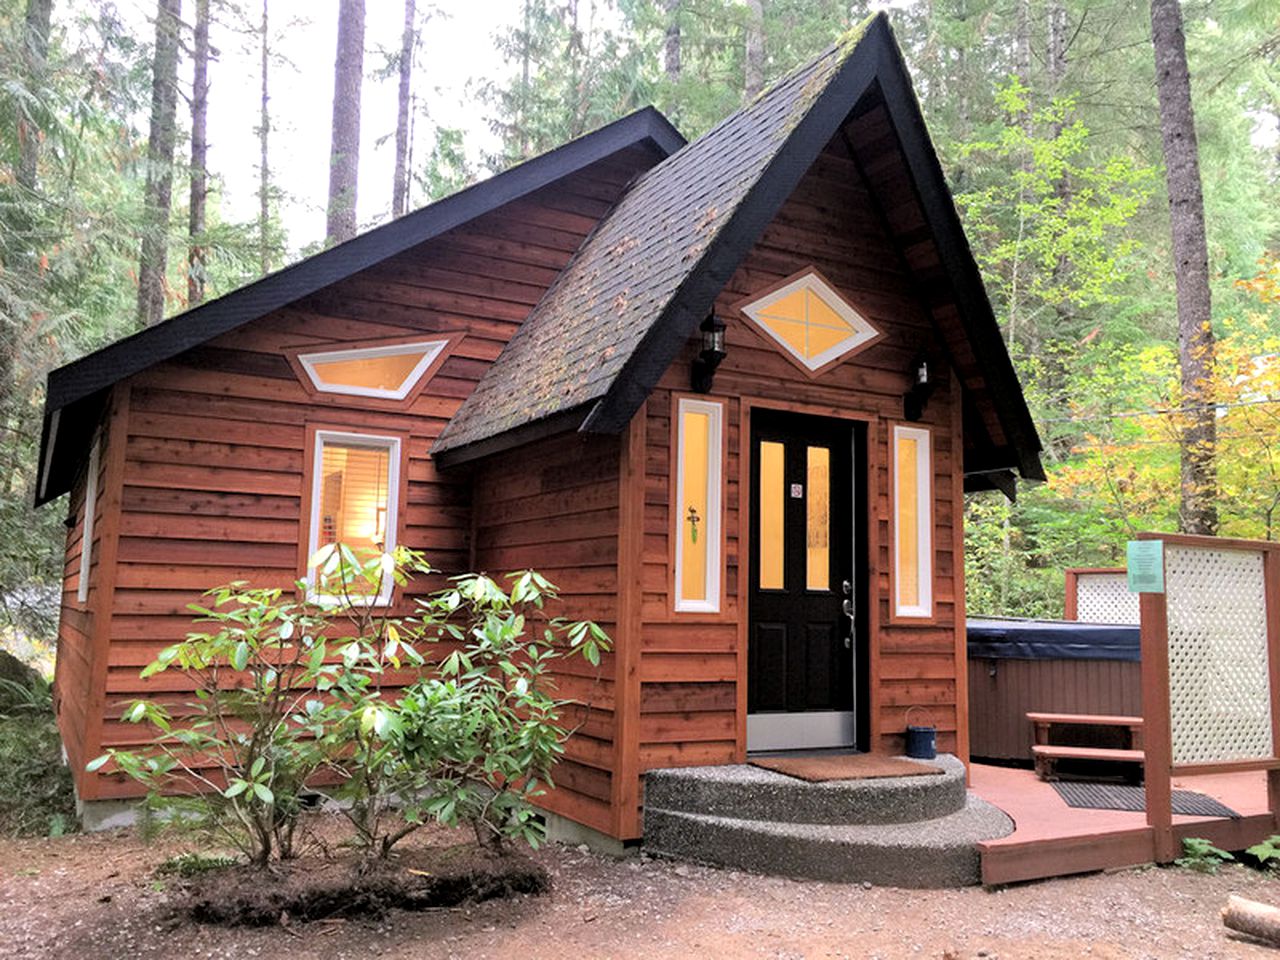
x: 1044, y: 113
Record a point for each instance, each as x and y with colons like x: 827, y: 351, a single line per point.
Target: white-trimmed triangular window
x: 389, y: 372
x: 812, y: 322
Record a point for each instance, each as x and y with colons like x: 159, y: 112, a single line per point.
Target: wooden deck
x: 1051, y: 839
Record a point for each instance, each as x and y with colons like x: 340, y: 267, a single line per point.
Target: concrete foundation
x: 570, y: 833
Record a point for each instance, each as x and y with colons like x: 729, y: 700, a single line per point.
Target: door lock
x: 848, y: 643
x: 846, y: 588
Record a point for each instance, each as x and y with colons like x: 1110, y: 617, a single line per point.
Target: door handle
x: 847, y: 607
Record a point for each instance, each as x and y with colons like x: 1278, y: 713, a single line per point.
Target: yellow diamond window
x: 813, y: 323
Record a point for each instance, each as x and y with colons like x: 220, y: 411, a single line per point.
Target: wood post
x: 1271, y: 580
x: 1157, y: 731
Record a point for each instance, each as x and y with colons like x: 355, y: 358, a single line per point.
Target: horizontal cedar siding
x: 216, y: 447
x: 553, y: 506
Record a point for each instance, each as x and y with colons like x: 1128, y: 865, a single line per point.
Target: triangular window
x: 813, y: 323
x: 389, y: 372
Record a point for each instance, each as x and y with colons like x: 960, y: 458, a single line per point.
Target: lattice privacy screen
x: 1105, y: 598
x: 1219, y: 696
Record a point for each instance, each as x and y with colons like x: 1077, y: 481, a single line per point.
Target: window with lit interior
x: 912, y: 522
x: 355, y: 480
x: 388, y: 372
x: 696, y: 510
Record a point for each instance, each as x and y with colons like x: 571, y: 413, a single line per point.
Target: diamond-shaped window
x: 811, y: 321
x: 389, y: 372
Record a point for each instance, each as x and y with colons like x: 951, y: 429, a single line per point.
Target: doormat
x: 847, y: 766
x: 1123, y: 796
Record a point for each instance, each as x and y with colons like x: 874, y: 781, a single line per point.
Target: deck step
x: 744, y: 792
x: 1086, y: 753
x: 934, y: 853
x: 1085, y: 720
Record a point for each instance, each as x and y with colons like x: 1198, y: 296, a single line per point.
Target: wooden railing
x: 1210, y: 671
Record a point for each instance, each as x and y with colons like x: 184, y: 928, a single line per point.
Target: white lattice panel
x: 1219, y: 696
x: 1105, y: 598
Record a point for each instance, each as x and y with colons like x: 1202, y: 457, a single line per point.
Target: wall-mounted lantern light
x: 922, y: 385
x: 711, y: 355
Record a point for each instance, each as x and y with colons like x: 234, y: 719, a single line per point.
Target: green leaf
x: 263, y: 793
x: 240, y: 655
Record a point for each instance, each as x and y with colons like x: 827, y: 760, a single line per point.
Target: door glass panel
x: 818, y: 520
x: 907, y: 488
x: 772, y: 509
x: 695, y: 429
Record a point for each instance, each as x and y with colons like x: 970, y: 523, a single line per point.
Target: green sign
x: 1146, y: 566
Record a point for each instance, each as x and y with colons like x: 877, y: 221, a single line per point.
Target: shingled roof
x: 76, y: 392
x: 613, y: 322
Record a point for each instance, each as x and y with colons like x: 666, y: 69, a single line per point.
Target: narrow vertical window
x: 912, y: 522
x: 353, y: 502
x: 89, y: 509
x: 773, y: 515
x: 696, y: 511
x: 818, y: 520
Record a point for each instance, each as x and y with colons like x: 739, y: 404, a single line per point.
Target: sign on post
x: 1146, y: 566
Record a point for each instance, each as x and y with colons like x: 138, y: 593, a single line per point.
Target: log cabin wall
x: 213, y: 484
x: 693, y: 667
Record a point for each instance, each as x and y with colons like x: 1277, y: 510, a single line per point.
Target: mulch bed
x: 314, y: 888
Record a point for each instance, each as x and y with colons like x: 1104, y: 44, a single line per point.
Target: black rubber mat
x: 1122, y: 796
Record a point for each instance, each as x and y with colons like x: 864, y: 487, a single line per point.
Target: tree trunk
x: 199, y: 156
x: 754, y: 69
x: 1259, y: 920
x: 1198, y: 512
x: 1023, y: 43
x: 264, y: 138
x: 157, y: 201
x: 35, y: 48
x: 671, y: 41
x: 400, y: 180
x: 344, y: 154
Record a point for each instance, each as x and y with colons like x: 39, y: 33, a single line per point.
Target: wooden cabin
x: 727, y: 394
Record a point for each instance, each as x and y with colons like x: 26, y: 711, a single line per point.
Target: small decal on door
x: 797, y: 491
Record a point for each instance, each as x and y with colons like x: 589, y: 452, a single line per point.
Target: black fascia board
x: 565, y: 421
x: 975, y: 310
x: 661, y: 344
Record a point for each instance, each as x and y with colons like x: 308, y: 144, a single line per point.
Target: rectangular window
x: 818, y: 520
x: 912, y: 522
x: 699, y: 449
x: 773, y: 515
x: 89, y: 509
x: 354, y: 502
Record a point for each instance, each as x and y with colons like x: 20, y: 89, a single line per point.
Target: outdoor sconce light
x: 913, y: 403
x: 711, y: 355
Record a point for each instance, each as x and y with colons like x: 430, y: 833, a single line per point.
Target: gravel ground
x: 96, y: 897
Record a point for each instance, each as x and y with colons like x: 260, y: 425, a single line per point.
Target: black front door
x: 805, y: 585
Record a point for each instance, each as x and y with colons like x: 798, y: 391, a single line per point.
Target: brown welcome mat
x: 849, y: 766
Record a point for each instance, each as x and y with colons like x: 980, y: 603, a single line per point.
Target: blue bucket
x: 922, y: 739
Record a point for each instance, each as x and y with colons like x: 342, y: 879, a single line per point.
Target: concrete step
x: 935, y: 853
x: 744, y: 792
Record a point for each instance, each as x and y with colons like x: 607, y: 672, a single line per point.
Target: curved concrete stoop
x: 904, y: 832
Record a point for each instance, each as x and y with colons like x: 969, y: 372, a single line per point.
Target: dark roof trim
x: 562, y: 422
x: 98, y: 371
x: 975, y: 310
x: 696, y: 294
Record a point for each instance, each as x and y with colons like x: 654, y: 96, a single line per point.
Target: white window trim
x: 924, y: 522
x: 89, y: 509
x: 432, y: 350
x: 392, y: 444
x: 715, y: 482
x: 863, y: 329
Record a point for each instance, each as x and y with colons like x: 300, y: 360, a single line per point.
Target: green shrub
x: 294, y: 696
x: 36, y: 795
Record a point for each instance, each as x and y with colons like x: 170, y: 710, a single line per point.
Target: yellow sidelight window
x: 353, y: 501
x: 385, y: 372
x: 811, y: 321
x: 818, y: 520
x: 773, y: 508
x: 913, y: 522
x: 696, y: 511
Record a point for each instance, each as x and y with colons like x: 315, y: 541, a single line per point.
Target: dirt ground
x: 91, y: 897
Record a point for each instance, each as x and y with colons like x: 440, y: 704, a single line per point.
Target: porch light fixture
x: 922, y: 386
x: 711, y: 355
